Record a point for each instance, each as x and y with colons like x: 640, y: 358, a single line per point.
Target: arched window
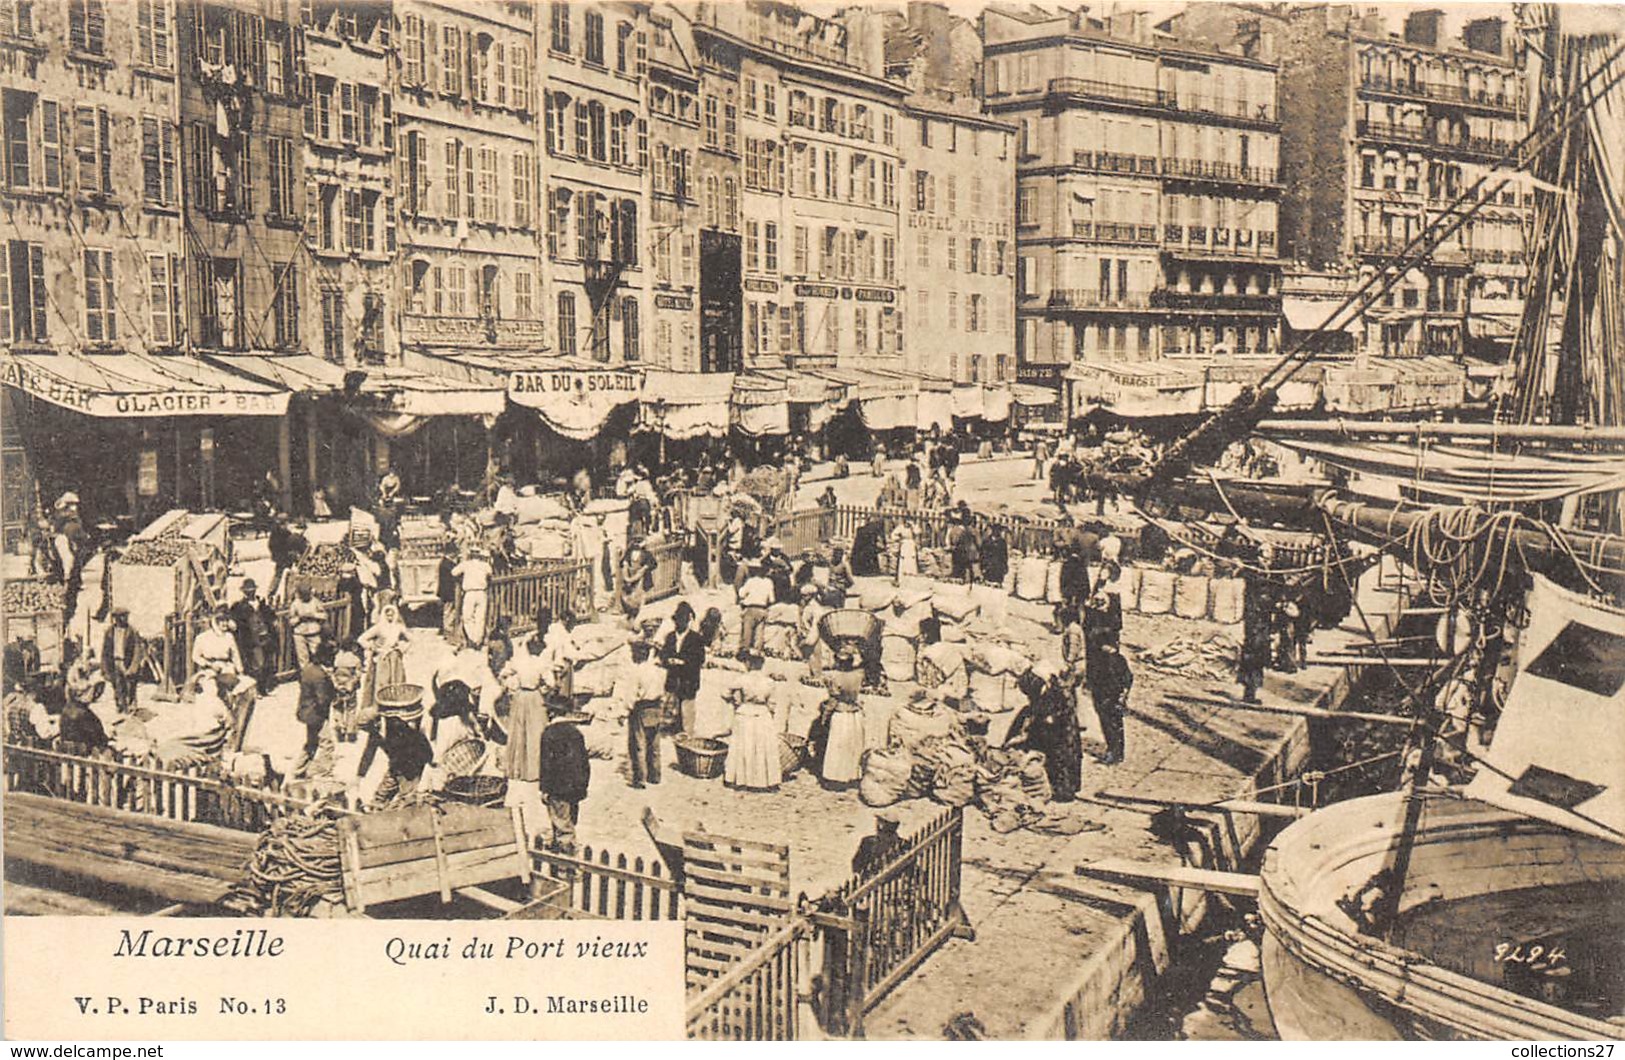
x: 595, y: 131
x: 417, y: 286
x: 490, y: 293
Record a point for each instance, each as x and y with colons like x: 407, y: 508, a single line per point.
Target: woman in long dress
x: 843, y: 747
x: 384, y: 642
x: 753, y: 749
x: 528, y: 677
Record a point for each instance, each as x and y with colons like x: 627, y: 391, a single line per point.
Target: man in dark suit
x: 565, y: 773
x: 121, y: 658
x: 316, y: 694
x: 683, y: 656
x: 256, y: 636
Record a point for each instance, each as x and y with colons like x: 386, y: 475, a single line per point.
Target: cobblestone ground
x: 1035, y: 920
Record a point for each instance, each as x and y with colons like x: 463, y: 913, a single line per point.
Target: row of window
x: 466, y: 181
x: 926, y: 201
x: 982, y: 314
x: 87, y: 27
x: 982, y: 257
x: 56, y: 147
x: 464, y: 63
x: 830, y: 114
x: 771, y: 328
x: 630, y: 46
x: 588, y: 130
x: 355, y: 114
x: 605, y: 229
x: 455, y: 289
x: 622, y: 311
x: 863, y: 179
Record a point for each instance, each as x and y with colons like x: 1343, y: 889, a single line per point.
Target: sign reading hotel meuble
x: 154, y: 403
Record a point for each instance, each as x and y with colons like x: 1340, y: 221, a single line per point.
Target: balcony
x: 1380, y: 246
x: 1224, y: 107
x: 1201, y: 241
x: 1442, y: 93
x: 1091, y: 298
x: 1218, y: 172
x: 1390, y: 133
x: 1112, y: 162
x: 1479, y: 146
x: 1114, y: 232
x: 1167, y: 298
x: 1090, y: 89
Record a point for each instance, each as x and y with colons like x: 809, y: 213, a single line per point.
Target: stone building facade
x: 1147, y: 189
x: 673, y: 100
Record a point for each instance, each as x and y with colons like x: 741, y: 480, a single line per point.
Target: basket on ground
x: 793, y: 752
x: 478, y: 790
x: 701, y: 757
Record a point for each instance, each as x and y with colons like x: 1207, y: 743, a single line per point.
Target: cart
x: 167, y: 575
x: 35, y: 618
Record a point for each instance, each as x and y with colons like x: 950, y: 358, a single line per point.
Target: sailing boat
x: 1492, y: 910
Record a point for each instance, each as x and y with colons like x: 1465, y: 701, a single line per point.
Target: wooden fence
x: 176, y: 794
x: 879, y: 926
x: 758, y: 999
x: 874, y: 930
x: 176, y: 651
x: 613, y: 887
x: 516, y: 596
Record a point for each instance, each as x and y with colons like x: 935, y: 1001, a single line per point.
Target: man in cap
x: 256, y: 636
x: 474, y: 573
x: 121, y: 658
x: 565, y: 774
x: 874, y: 851
x: 637, y: 571
x: 1109, y: 682
x: 683, y: 655
x: 316, y: 696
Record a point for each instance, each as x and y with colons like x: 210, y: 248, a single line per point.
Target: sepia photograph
x: 976, y: 520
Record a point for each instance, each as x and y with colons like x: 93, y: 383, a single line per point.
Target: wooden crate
x: 738, y: 893
x: 45, y: 628
x: 423, y: 850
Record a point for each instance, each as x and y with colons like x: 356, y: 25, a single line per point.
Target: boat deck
x: 180, y: 862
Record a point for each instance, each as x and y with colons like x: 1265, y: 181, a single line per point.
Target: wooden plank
x: 412, y: 879
x: 496, y: 902
x: 441, y: 869
x: 705, y: 911
x: 738, y: 899
x: 1243, y: 884
x: 727, y: 881
x: 419, y: 849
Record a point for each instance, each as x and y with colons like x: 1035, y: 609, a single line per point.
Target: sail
x: 1559, y: 750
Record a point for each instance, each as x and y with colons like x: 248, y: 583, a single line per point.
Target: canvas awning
x: 1034, y: 396
x: 996, y: 403
x: 968, y: 401
x: 1308, y: 314
x: 136, y: 386
x: 761, y: 405
x: 687, y: 404
x: 395, y: 399
x: 1144, y: 388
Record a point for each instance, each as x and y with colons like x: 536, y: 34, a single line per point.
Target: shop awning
x: 687, y: 404
x: 1308, y: 314
x: 1034, y: 396
x: 572, y: 395
x: 935, y: 408
x: 996, y: 403
x: 761, y: 405
x: 135, y: 385
x: 968, y: 401
x: 396, y: 390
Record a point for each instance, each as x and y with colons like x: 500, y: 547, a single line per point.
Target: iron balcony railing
x: 1382, y: 130
x: 1082, y: 86
x: 1223, y: 107
x: 1166, y: 298
x: 1223, y: 172
x: 1114, y: 232
x: 1443, y: 93
x: 1093, y: 298
x: 1115, y: 162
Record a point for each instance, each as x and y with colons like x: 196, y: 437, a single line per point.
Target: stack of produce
x: 33, y: 598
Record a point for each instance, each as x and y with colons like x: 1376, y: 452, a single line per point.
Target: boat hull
x: 1327, y: 981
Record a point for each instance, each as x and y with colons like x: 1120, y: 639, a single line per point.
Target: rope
x: 294, y: 866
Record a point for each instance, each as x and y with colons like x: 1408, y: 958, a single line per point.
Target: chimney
x: 1422, y: 27
x: 1485, y: 35
x: 1130, y: 26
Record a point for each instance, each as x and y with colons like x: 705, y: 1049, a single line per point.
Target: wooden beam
x: 1366, y: 660
x: 1244, y: 884
x: 1296, y: 711
x: 491, y: 901
x: 1261, y: 809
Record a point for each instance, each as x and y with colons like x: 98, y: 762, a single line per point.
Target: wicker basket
x: 700, y: 757
x: 479, y: 790
x: 464, y: 757
x: 848, y: 623
x: 400, y: 701
x: 792, y: 752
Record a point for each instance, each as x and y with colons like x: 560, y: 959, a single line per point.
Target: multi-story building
x: 1382, y: 131
x: 958, y: 242
x: 673, y: 96
x: 1147, y: 189
x: 596, y: 59
x: 835, y: 242
x: 717, y: 179
x: 242, y: 83
x: 465, y: 103
x: 350, y: 290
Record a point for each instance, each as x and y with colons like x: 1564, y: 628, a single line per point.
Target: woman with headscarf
x: 841, y: 724
x: 753, y: 747
x: 907, y: 550
x: 384, y: 642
